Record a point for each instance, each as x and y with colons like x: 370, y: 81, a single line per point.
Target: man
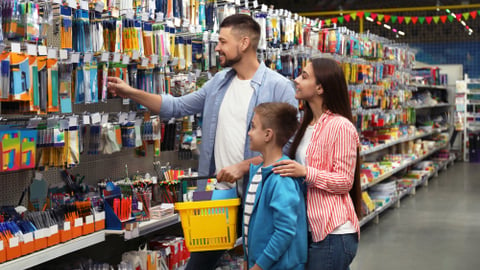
x: 226, y: 102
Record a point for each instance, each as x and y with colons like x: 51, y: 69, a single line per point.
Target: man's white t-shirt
x: 232, y: 126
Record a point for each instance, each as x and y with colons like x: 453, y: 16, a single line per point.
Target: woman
x: 325, y: 149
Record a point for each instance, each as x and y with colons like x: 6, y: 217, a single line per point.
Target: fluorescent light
x: 463, y: 23
x: 387, y: 26
x: 369, y: 19
x: 453, y: 14
x: 401, y: 33
x: 447, y: 10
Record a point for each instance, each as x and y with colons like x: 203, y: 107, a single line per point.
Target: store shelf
x: 146, y: 227
x: 402, y: 194
x: 401, y: 140
x: 439, y: 87
x: 401, y: 167
x: 53, y: 252
x: 417, y: 107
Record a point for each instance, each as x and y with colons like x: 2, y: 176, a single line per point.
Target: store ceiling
x: 330, y: 5
x: 415, y: 33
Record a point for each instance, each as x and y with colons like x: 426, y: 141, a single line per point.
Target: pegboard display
x: 93, y: 168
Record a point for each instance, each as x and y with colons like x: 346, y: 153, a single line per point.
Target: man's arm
x: 118, y: 87
x: 234, y: 172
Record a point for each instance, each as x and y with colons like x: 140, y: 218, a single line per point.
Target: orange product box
x: 66, y: 233
x: 54, y: 237
x: 3, y: 252
x: 99, y: 221
x: 88, y: 225
x: 13, y: 248
x: 77, y: 229
x: 40, y: 239
x: 27, y: 246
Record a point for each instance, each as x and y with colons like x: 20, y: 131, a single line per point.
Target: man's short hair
x: 281, y: 117
x: 245, y: 25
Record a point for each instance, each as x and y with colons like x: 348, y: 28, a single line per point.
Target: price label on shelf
x: 105, y: 57
x: 66, y: 226
x: 126, y: 59
x: 159, y: 16
x: 89, y: 219
x: 83, y: 5
x: 264, y: 8
x: 39, y: 234
x: 72, y: 4
x: 53, y: 229
x: 145, y: 17
x: 57, y: 2
x: 42, y: 50
x: 13, y: 242
x: 123, y: 118
x: 154, y: 59
x: 135, y: 55
x: 96, y: 118
x: 75, y: 58
x: 131, y: 116
x: 27, y: 237
x: 78, y: 222
x: 144, y: 61
x: 177, y: 22
x: 46, y: 232
x: 16, y: 47
x: 99, y: 6
x: 73, y: 121
x: 63, y: 54
x: 86, y: 119
x: 116, y: 57
x: 52, y: 53
x: 237, y: 2
x: 255, y: 4
x: 87, y: 58
x: 104, y: 118
x: 31, y: 49
x: 174, y: 61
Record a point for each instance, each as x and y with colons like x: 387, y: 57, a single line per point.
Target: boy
x: 275, y: 221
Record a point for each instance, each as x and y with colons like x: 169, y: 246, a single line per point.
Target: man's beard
x: 231, y: 62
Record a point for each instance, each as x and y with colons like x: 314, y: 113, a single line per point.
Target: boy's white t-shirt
x: 232, y: 126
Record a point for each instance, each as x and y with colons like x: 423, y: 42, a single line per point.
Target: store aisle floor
x: 438, y: 228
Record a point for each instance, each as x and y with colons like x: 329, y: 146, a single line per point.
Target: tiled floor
x: 438, y: 228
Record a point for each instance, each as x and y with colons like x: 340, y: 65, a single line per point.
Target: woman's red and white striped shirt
x: 331, y: 159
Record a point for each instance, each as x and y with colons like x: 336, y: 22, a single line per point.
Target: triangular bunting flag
x: 421, y: 19
x: 354, y: 16
x: 408, y: 19
x: 334, y: 20
x: 360, y: 14
x: 380, y: 17
x: 428, y: 19
x: 436, y: 19
x: 367, y: 14
x: 450, y: 18
x: 443, y: 18
x: 373, y: 15
x: 466, y: 15
x: 394, y: 19
x: 347, y: 18
x: 414, y: 19
x: 387, y: 18
x: 459, y: 16
x: 473, y: 14
x: 341, y: 19
x: 400, y: 19
x: 327, y: 22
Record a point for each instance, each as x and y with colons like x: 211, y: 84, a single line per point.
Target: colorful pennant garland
x: 400, y: 19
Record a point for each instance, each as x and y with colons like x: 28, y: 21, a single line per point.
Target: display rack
x: 401, y: 167
x: 147, y: 227
x: 395, y: 201
x: 53, y: 252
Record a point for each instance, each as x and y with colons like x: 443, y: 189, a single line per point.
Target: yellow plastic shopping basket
x: 209, y: 225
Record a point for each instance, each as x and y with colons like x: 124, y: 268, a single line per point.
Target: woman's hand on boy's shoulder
x: 289, y: 168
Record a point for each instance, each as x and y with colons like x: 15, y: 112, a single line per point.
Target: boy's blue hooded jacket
x: 277, y: 234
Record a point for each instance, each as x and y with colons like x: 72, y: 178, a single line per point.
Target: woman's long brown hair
x: 329, y: 74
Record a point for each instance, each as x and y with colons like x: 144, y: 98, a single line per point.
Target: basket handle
x: 191, y: 178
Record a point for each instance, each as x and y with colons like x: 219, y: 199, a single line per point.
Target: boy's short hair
x: 244, y: 24
x: 280, y: 117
